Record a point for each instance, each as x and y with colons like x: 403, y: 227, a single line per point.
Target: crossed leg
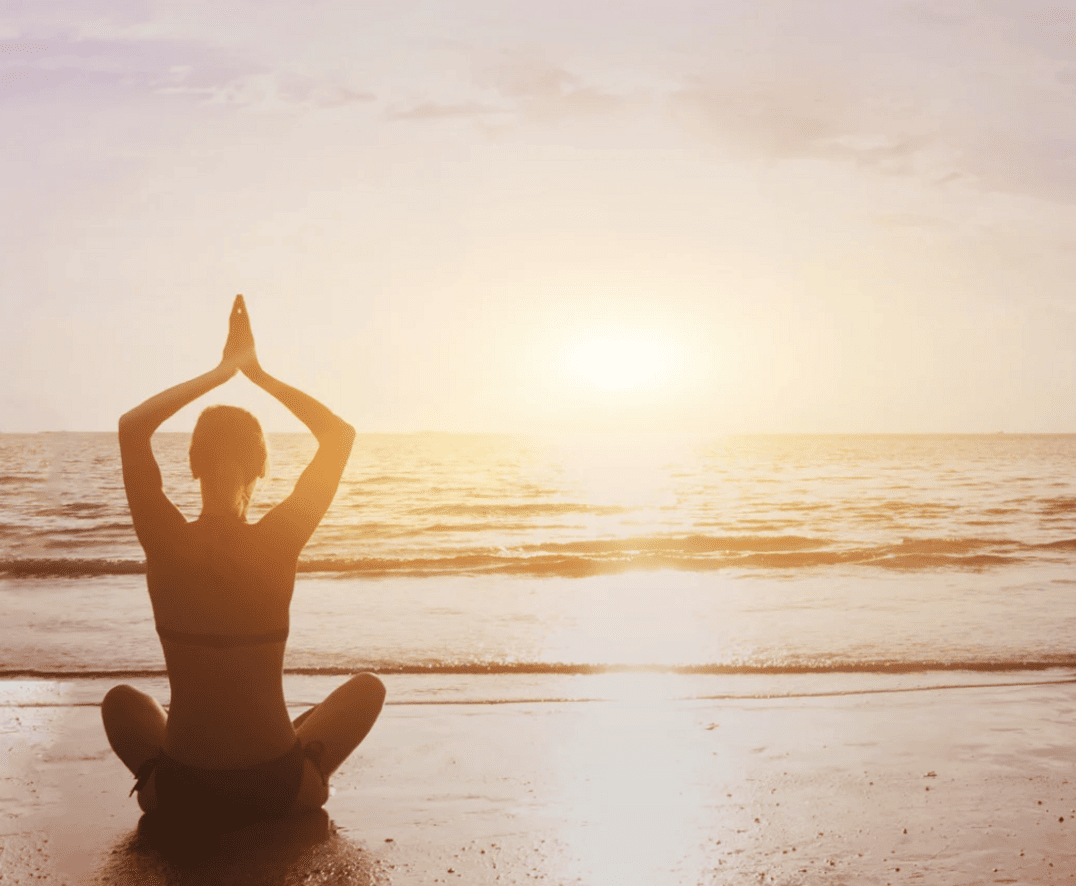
x: 338, y: 724
x: 135, y: 724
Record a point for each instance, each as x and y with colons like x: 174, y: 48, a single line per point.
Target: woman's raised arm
x: 153, y: 514
x: 295, y: 519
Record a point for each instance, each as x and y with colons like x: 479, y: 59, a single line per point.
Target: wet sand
x: 959, y: 785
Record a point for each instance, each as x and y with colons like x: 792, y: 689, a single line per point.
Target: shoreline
x: 949, y: 785
x: 555, y: 669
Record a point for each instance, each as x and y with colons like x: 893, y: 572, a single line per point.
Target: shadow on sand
x: 305, y: 849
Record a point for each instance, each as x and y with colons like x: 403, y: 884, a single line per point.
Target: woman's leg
x: 339, y: 724
x: 135, y: 724
x: 303, y: 717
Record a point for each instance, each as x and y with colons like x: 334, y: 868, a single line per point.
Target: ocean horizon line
x: 587, y: 434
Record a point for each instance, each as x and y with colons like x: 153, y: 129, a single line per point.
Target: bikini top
x: 222, y: 641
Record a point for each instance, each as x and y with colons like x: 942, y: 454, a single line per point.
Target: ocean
x: 776, y: 560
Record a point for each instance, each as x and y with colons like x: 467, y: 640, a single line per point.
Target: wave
x: 69, y: 567
x: 19, y: 478
x: 698, y: 544
x: 1058, y: 506
x: 586, y: 557
x: 509, y: 510
x: 500, y: 526
x: 82, y: 509
x: 386, y: 479
x: 1065, y: 544
x: 539, y: 668
x: 92, y: 530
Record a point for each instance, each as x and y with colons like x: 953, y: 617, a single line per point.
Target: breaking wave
x: 609, y: 556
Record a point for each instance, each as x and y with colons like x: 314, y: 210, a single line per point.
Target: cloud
x: 541, y: 89
x: 1041, y: 30
x: 908, y: 221
x: 758, y: 122
x: 526, y: 75
x: 441, y: 111
x: 978, y: 95
x: 84, y: 65
x: 1035, y: 158
x: 21, y: 49
x: 110, y: 66
x: 515, y: 87
x: 263, y: 90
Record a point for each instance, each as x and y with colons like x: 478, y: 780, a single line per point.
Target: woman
x: 221, y: 590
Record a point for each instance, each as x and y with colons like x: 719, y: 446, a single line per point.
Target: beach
x: 973, y: 783
x: 748, y: 660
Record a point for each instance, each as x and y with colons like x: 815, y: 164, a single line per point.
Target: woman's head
x: 228, y: 444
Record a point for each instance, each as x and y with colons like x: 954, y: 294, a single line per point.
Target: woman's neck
x: 226, y: 503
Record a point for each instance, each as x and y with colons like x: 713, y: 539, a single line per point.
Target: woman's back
x: 220, y: 592
x: 227, y: 709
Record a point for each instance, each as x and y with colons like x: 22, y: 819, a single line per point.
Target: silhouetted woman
x: 221, y: 590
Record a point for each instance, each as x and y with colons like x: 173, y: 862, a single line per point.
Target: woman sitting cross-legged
x: 221, y: 592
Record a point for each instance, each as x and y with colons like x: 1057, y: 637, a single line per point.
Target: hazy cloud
x: 980, y: 93
x: 199, y: 69
x: 908, y: 220
x: 540, y: 88
x: 266, y: 90
x: 514, y: 87
x: 22, y: 49
x: 96, y: 63
x: 757, y: 122
x: 526, y: 75
x: 1038, y: 159
x: 441, y: 111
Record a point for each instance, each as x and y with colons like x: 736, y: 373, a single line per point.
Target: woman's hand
x: 239, y: 353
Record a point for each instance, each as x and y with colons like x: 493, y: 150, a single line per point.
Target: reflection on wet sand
x: 635, y: 785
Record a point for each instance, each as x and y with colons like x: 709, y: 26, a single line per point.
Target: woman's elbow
x: 347, y: 435
x: 129, y: 425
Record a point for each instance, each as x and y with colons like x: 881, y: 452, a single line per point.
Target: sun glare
x: 622, y: 362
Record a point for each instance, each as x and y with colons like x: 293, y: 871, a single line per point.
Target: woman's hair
x: 226, y: 434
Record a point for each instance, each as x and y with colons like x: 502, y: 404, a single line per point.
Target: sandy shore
x: 944, y: 786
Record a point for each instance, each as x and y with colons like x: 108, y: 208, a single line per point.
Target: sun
x: 634, y: 360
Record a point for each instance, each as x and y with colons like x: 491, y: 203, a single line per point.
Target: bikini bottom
x: 229, y: 798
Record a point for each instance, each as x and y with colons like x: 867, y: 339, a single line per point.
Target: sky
x: 690, y: 216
